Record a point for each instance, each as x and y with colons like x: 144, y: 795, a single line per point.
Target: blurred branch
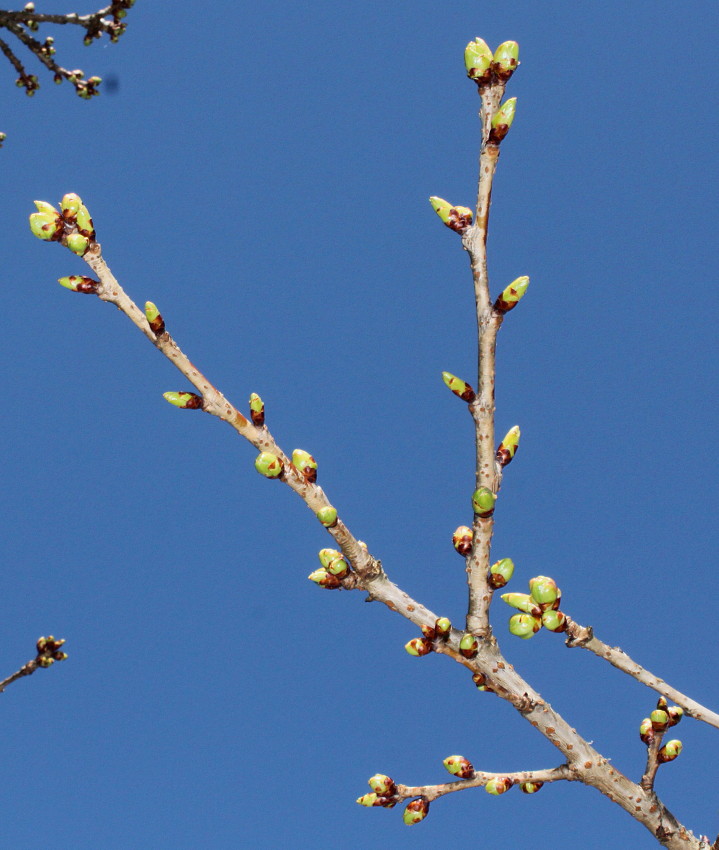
x: 105, y: 21
x: 48, y: 652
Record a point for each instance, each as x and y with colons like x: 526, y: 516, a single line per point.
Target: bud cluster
x: 334, y: 568
x: 539, y: 607
x: 72, y: 226
x: 48, y: 651
x: 383, y: 792
x: 424, y: 645
x: 659, y: 721
x: 485, y: 67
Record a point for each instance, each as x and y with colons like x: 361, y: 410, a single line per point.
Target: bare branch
x: 583, y: 636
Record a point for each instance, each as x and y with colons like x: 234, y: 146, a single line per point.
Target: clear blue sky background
x: 262, y: 173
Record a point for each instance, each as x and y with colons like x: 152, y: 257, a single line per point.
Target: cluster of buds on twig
x: 424, y: 645
x: 383, y: 792
x: 71, y: 226
x: 652, y: 729
x: 48, y: 651
x: 539, y: 607
x: 334, y: 568
x: 485, y: 67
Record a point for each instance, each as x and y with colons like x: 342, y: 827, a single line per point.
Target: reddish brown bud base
x: 462, y: 540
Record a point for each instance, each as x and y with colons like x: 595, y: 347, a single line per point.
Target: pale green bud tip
x: 257, y: 410
x: 522, y: 602
x: 659, y: 719
x: 381, y: 784
x: 187, y: 401
x: 78, y: 283
x: 501, y: 572
x: 512, y: 295
x: 326, y: 556
x: 669, y: 751
x: 77, y: 243
x: 506, y: 59
x: 327, y: 516
x: 502, y: 120
x: 151, y: 311
x: 646, y: 731
x: 508, y: 447
x: 544, y: 589
x: 483, y: 502
x: 268, y: 465
x: 338, y: 567
x: 46, y: 225
x: 468, y: 646
x: 462, y: 540
x: 555, y: 621
x: 305, y: 464
x: 498, y: 785
x: 477, y: 59
x: 45, y: 207
x: 675, y: 715
x: 70, y: 204
x: 524, y: 625
x: 459, y: 766
x: 418, y: 647
x: 530, y: 787
x: 84, y: 222
x: 456, y: 218
x: 324, y: 579
x: 368, y: 800
x: 415, y: 812
x: 443, y: 626
x: 459, y: 387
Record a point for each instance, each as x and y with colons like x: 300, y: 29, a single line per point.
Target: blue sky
x: 262, y: 174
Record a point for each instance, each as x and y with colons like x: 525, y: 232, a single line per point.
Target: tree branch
x: 583, y: 636
x: 48, y: 652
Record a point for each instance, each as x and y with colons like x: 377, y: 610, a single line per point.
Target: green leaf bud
x: 480, y: 680
x: 501, y: 572
x: 543, y: 589
x: 442, y: 627
x: 77, y: 243
x: 325, y: 579
x: 646, y: 731
x: 185, y: 401
x: 338, y: 567
x: 368, y: 800
x: 502, y: 120
x: 382, y: 785
x: 506, y: 59
x: 268, y: 465
x: 84, y: 222
x: 462, y: 540
x: 524, y: 625
x: 44, y: 661
x: 46, y: 226
x: 456, y: 218
x: 305, y: 464
x: 415, y: 812
x: 459, y: 387
x: 555, y: 621
x: 45, y: 207
x: 478, y: 61
x: 508, y: 447
x: 530, y: 787
x: 78, y: 283
x: 257, y: 410
x: 69, y: 205
x: 459, y: 766
x: 522, y: 602
x: 418, y: 646
x: 469, y: 646
x: 675, y: 714
x: 660, y: 720
x: 483, y: 501
x: 154, y: 318
x: 669, y: 751
x: 326, y: 556
x: 498, y: 785
x: 327, y: 515
x: 512, y: 295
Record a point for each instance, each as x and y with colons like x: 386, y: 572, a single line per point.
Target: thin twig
x: 583, y: 636
x: 650, y: 771
x: 480, y: 778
